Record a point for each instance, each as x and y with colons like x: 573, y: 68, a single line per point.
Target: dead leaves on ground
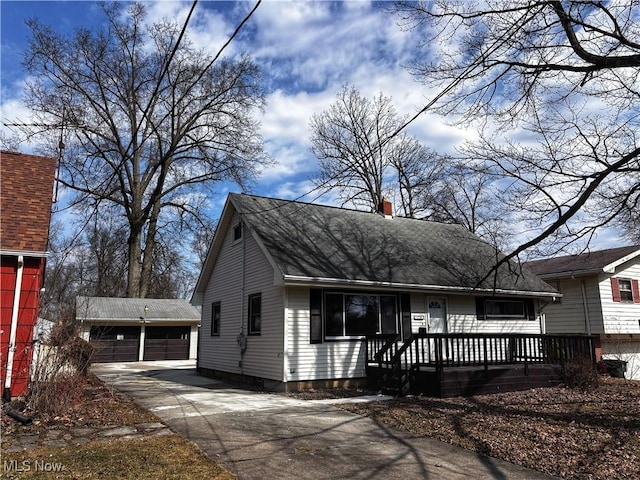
x: 568, y: 433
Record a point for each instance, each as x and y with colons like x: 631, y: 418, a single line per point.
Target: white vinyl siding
x: 345, y: 358
x: 620, y: 317
x: 462, y: 318
x: 261, y: 358
x: 318, y: 361
x: 225, y: 283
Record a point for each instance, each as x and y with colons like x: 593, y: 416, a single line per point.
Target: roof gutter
x: 332, y: 282
x: 24, y: 253
x: 570, y: 273
x: 6, y: 394
x: 611, y: 268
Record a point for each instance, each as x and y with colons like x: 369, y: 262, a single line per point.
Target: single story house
x: 600, y: 296
x: 26, y: 196
x: 138, y: 329
x: 290, y: 291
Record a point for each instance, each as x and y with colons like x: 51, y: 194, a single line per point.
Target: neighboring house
x: 600, y: 296
x: 26, y: 195
x: 289, y: 290
x: 138, y: 329
x: 41, y: 333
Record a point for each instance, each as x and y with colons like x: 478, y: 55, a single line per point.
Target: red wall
x: 32, y: 275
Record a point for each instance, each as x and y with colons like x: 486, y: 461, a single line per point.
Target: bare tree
x: 150, y: 124
x: 419, y: 170
x: 556, y: 87
x: 629, y: 223
x: 470, y: 196
x: 361, y: 155
x: 90, y: 259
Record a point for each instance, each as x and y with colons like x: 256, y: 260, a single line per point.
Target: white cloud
x: 13, y: 111
x: 307, y: 52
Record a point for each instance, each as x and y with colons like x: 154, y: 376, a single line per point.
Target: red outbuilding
x: 26, y: 195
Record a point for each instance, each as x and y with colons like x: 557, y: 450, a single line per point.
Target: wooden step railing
x: 440, y: 351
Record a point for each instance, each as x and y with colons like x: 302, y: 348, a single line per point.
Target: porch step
x: 390, y: 391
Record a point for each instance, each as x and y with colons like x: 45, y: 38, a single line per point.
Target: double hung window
x: 626, y: 294
x: 255, y: 314
x: 215, y: 318
x: 625, y: 290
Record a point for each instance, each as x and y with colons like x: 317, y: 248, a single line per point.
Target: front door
x: 437, y: 315
x: 437, y: 323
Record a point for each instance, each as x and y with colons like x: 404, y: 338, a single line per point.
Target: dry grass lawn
x: 154, y: 458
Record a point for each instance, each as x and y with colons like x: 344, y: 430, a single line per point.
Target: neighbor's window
x: 626, y: 294
x: 255, y: 311
x: 349, y: 315
x: 215, y: 318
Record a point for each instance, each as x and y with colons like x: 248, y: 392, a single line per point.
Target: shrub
x: 580, y: 373
x: 59, y: 376
x: 57, y: 395
x: 77, y: 353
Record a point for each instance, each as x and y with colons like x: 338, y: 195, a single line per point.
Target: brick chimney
x: 385, y: 208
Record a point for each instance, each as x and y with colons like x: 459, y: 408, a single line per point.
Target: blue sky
x: 307, y: 52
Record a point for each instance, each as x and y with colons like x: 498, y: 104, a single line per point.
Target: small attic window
x: 237, y: 232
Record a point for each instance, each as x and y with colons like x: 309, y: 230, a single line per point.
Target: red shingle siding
x: 26, y: 194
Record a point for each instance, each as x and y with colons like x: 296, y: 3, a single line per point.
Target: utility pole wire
x: 497, y: 44
x: 233, y: 35
x: 165, y: 69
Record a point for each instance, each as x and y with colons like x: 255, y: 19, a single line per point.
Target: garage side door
x: 166, y: 343
x: 114, y: 343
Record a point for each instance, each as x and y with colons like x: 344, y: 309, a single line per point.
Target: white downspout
x: 14, y: 328
x: 587, y: 321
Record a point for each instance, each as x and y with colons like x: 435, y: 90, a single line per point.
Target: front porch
x: 446, y: 365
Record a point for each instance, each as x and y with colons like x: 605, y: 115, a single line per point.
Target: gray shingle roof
x: 584, y: 262
x: 109, y: 308
x: 315, y: 241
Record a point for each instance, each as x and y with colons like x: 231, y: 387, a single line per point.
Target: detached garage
x: 137, y: 329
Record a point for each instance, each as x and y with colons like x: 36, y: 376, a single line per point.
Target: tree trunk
x: 134, y: 254
x: 149, y: 247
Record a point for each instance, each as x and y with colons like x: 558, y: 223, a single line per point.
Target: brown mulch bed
x: 559, y: 431
x: 330, y: 393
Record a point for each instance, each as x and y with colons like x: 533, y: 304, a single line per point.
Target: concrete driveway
x: 266, y: 436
